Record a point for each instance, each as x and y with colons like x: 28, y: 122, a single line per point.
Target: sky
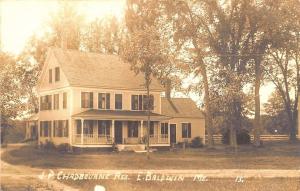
x: 20, y: 19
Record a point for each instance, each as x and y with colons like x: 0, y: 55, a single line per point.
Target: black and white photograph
x: 150, y: 95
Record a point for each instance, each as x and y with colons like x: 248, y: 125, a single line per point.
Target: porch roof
x: 119, y: 115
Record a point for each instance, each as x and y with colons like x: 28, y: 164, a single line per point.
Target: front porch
x: 108, y: 132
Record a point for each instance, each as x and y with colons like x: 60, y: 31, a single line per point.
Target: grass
x: 211, y: 185
x: 271, y: 156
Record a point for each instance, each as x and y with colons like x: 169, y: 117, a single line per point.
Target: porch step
x: 138, y: 147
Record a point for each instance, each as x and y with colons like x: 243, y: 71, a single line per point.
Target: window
x: 88, y: 127
x: 56, y: 102
x: 86, y: 99
x: 60, y: 128
x: 104, y: 128
x: 57, y: 74
x: 118, y: 101
x: 46, y: 102
x: 164, y: 128
x: 50, y: 75
x: 134, y: 102
x: 45, y: 129
x: 65, y: 100
x: 186, y: 130
x: 139, y: 102
x: 145, y: 103
x: 133, y: 129
x: 104, y: 101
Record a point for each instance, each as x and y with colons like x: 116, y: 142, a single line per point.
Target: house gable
x: 51, y: 63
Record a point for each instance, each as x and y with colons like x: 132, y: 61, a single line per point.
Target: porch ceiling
x: 119, y: 115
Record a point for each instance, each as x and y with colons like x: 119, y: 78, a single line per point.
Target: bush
x: 63, y: 148
x: 48, y: 145
x: 242, y: 137
x: 197, y: 142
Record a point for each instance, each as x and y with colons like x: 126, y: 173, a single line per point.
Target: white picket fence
x: 218, y: 138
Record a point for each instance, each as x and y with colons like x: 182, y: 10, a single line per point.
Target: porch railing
x: 159, y: 139
x: 93, y: 139
x: 154, y: 139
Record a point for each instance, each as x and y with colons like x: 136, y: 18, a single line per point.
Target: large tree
x: 144, y: 48
x: 282, y: 63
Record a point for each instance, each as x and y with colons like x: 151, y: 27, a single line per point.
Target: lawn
x: 271, y: 156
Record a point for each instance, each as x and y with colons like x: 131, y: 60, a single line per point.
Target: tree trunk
x: 208, y: 121
x: 257, y: 125
x: 233, y: 142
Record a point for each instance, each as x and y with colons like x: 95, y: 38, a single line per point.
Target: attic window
x: 57, y: 74
x: 50, y: 75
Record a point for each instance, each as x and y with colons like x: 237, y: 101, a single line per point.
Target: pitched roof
x: 100, y: 71
x: 180, y: 107
x: 119, y: 114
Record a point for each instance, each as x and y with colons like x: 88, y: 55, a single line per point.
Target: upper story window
x: 104, y: 101
x: 86, y: 99
x: 118, y: 101
x: 56, y: 101
x: 65, y: 100
x: 57, y: 74
x: 186, y: 130
x: 46, y: 102
x: 50, y: 75
x: 139, y: 102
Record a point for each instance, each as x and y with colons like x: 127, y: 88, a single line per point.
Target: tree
x: 282, y: 63
x: 104, y: 36
x: 12, y: 92
x: 143, y: 47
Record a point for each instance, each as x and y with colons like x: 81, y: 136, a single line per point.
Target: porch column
x: 113, y: 130
x: 82, y: 121
x: 142, y: 127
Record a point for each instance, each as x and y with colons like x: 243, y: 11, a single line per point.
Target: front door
x: 118, y: 132
x: 173, y: 133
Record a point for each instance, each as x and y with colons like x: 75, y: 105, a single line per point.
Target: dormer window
x: 57, y: 74
x: 50, y: 76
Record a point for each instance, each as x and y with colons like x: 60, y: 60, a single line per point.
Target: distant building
x: 95, y: 100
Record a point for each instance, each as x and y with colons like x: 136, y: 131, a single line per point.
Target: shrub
x: 63, y: 148
x: 197, y: 142
x: 242, y: 137
x: 48, y: 145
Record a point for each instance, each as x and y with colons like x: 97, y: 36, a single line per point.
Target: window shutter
x: 189, y: 130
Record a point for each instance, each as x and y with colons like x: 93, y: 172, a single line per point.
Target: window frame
x: 50, y: 76
x: 118, y: 94
x: 57, y: 74
x: 90, y: 101
x: 107, y: 100
x: 188, y: 133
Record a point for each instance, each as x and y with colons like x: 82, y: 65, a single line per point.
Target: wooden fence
x: 218, y: 138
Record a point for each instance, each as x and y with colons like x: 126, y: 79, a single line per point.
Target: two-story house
x: 95, y: 100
